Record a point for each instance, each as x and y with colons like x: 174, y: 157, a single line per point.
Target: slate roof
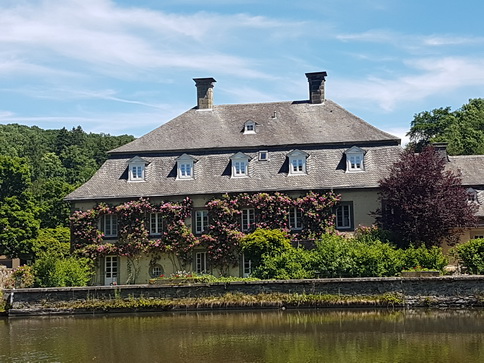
x: 471, y: 168
x: 325, y: 170
x: 277, y: 123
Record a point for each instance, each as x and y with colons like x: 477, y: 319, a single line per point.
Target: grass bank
x: 227, y: 301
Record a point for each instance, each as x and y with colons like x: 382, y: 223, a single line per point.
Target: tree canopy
x: 422, y: 203
x: 462, y: 129
x: 58, y: 161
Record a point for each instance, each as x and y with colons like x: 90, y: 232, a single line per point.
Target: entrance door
x: 110, y: 270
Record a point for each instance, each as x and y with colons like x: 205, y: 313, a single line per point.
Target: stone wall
x: 463, y: 290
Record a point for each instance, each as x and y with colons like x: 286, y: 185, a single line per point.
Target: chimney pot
x: 204, y: 92
x: 316, y: 86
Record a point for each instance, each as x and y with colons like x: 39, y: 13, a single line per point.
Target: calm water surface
x: 255, y: 336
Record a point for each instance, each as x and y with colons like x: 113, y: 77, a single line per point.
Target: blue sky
x: 119, y: 66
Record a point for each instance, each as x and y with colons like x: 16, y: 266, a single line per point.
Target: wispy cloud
x: 425, y: 77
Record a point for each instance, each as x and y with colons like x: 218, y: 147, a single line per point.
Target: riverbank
x: 398, y: 292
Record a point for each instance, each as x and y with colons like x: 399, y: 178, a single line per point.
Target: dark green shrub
x: 264, y: 242
x: 471, y: 255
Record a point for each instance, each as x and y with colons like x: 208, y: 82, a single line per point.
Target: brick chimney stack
x: 316, y: 86
x: 204, y: 92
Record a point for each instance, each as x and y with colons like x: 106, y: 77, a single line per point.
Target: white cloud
x: 112, y: 40
x: 425, y: 77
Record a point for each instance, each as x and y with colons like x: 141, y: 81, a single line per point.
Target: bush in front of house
x: 264, y: 242
x: 337, y: 256
x: 471, y: 255
x: 50, y: 271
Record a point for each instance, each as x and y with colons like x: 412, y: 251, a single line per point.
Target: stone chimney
x: 441, y: 149
x: 316, y: 86
x: 204, y: 92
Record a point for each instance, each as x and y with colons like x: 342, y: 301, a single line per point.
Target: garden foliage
x: 471, y: 255
x: 423, y: 203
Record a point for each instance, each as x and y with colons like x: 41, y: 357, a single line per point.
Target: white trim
x: 240, y: 165
x: 297, y: 162
x: 355, y: 159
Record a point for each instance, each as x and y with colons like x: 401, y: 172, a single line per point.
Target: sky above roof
x: 126, y: 67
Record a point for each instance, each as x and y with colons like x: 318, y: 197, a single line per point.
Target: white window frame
x: 137, y: 169
x: 263, y: 155
x: 240, y: 165
x: 247, y: 219
x: 249, y: 127
x: 185, y: 167
x: 297, y: 162
x: 344, y: 217
x: 355, y: 159
x: 201, y: 221
x: 108, y: 224
x: 246, y: 266
x: 157, y: 224
x: 201, y: 266
x: 295, y: 219
x: 156, y: 270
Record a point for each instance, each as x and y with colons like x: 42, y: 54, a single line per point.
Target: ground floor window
x: 201, y: 262
x: 246, y: 266
x: 344, y: 216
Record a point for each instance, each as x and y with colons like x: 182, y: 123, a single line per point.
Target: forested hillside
x: 38, y: 168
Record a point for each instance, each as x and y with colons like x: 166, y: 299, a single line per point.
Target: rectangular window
x: 263, y: 155
x: 297, y: 166
x: 109, y: 225
x: 185, y: 170
x: 137, y: 172
x: 201, y: 262
x: 247, y: 266
x: 248, y: 217
x: 156, y: 223
x: 240, y: 168
x: 355, y: 162
x: 201, y: 221
x: 343, y: 217
x: 295, y: 219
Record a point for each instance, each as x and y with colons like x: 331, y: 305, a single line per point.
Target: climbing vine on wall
x: 221, y: 240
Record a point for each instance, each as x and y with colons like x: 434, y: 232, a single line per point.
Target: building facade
x: 292, y: 147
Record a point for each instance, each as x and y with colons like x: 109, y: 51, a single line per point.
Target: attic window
x: 185, y: 164
x: 249, y: 127
x: 355, y: 157
x: 472, y: 195
x: 136, y: 169
x: 263, y: 155
x: 240, y: 165
x: 297, y: 162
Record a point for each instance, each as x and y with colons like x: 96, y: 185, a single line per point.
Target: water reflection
x: 254, y: 336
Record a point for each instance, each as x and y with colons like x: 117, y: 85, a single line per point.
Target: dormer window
x: 249, y: 127
x: 137, y: 169
x: 185, y: 167
x: 240, y: 165
x: 472, y: 195
x: 355, y: 159
x: 297, y: 162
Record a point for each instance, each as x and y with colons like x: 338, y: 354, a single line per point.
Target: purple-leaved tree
x: 422, y: 202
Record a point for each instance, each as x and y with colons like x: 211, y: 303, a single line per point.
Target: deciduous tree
x: 422, y: 202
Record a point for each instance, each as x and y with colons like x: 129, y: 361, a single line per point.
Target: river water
x: 249, y: 336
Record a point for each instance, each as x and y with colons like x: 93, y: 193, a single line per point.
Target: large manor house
x: 292, y: 147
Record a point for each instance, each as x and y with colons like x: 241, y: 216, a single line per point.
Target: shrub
x: 294, y: 263
x: 23, y: 276
x: 264, y: 242
x: 52, y: 272
x: 471, y: 255
x: 429, y: 258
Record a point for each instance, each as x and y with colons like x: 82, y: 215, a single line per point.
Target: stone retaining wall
x: 463, y: 290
